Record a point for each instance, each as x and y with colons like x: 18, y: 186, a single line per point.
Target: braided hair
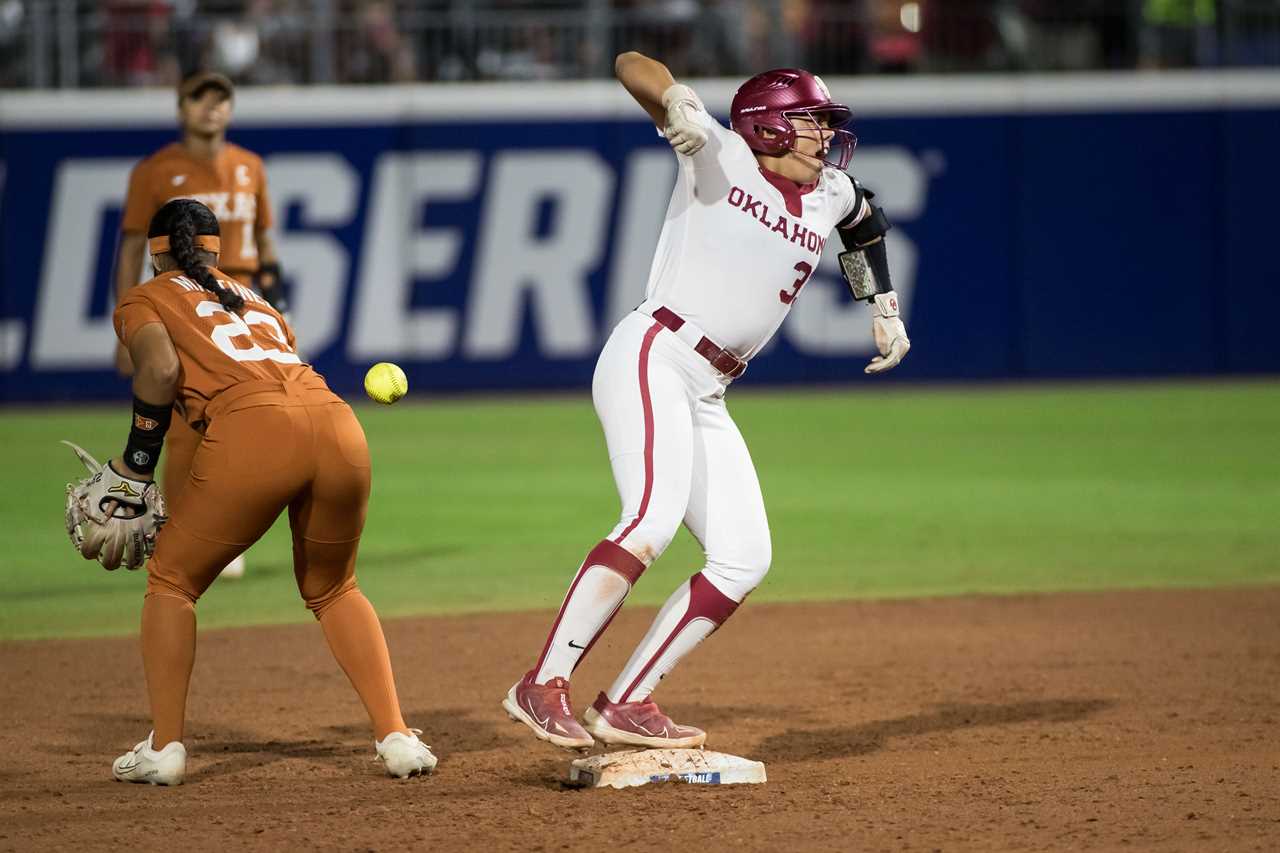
x: 181, y: 220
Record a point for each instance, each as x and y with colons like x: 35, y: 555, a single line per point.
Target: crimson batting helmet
x: 768, y: 101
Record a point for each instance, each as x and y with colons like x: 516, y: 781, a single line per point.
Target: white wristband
x: 886, y: 304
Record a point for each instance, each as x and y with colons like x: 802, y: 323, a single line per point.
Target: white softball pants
x: 677, y: 456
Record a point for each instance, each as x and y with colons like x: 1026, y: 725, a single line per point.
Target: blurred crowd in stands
x: 84, y: 43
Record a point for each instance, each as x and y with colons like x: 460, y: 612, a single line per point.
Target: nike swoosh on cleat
x: 541, y: 723
x: 574, y: 645
x: 641, y: 727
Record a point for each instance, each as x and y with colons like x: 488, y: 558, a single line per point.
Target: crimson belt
x: 721, y: 359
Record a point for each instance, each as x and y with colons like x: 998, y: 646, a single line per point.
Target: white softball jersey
x: 734, y: 254
x: 739, y: 244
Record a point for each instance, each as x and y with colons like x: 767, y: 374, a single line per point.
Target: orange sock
x: 355, y: 638
x: 168, y: 651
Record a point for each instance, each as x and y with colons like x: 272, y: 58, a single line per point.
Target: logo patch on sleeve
x: 144, y: 423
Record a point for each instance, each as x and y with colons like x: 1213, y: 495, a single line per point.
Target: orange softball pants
x: 269, y: 446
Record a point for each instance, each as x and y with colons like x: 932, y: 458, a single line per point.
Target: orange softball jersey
x: 233, y: 185
x: 219, y: 349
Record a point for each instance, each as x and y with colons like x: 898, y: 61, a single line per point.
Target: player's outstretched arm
x: 672, y: 106
x: 645, y: 79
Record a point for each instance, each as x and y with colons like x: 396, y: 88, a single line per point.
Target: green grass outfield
x: 489, y: 504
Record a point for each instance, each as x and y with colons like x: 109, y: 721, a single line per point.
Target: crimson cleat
x: 545, y: 709
x: 639, y: 724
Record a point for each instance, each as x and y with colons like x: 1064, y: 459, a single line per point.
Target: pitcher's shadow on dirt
x: 798, y: 745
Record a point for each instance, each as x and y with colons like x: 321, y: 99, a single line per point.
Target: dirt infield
x: 1135, y: 720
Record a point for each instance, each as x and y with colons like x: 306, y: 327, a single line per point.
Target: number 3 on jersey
x: 224, y: 335
x: 805, y: 271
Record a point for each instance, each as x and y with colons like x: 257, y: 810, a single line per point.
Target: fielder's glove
x: 890, y: 334
x: 685, y: 133
x: 113, y: 518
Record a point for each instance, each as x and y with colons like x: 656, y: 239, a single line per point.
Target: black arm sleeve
x: 864, y: 247
x: 878, y: 260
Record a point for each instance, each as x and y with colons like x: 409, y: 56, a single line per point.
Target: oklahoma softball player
x: 273, y: 437
x: 749, y: 217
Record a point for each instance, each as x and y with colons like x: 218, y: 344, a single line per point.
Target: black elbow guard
x: 865, y: 263
x: 870, y: 229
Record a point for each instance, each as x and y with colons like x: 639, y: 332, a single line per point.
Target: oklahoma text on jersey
x: 758, y: 210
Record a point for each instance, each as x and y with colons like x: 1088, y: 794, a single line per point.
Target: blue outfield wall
x: 488, y: 237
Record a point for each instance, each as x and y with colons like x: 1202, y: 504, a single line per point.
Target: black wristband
x: 146, y: 435
x: 274, y: 294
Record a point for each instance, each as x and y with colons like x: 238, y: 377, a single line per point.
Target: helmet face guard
x: 837, y: 142
x: 769, y: 101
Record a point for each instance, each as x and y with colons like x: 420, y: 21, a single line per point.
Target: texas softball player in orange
x: 230, y: 181
x: 272, y: 437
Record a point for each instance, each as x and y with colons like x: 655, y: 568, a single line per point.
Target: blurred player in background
x: 272, y: 436
x: 230, y: 181
x: 748, y: 220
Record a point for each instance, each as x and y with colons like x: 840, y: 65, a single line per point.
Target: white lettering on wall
x: 66, y: 336
x: 642, y: 209
x: 517, y: 267
x: 396, y: 252
x: 327, y: 189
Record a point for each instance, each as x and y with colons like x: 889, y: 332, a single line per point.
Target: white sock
x: 691, y: 614
x: 594, y: 598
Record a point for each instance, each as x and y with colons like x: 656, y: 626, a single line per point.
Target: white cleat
x: 149, y: 766
x: 234, y: 569
x: 404, y: 755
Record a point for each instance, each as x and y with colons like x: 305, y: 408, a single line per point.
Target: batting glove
x: 890, y: 334
x: 684, y: 131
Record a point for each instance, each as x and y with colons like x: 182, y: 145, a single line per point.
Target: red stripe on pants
x: 647, y: 404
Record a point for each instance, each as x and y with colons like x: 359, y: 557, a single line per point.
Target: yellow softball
x: 385, y: 383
